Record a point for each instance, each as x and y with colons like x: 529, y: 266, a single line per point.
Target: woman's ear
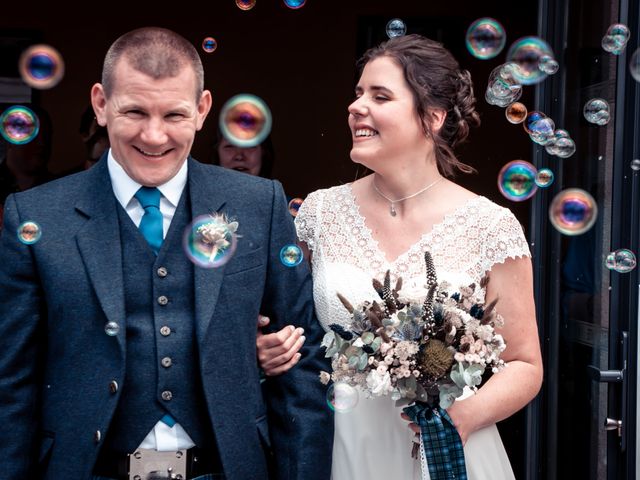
x: 436, y: 118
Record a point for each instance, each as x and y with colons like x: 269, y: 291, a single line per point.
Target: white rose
x: 379, y: 384
x: 413, y: 294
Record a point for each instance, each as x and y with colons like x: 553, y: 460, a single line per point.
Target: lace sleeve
x: 308, y: 220
x: 505, y: 239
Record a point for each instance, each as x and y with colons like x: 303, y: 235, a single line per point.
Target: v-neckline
x: 375, y: 246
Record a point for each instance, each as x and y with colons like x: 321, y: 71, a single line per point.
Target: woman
x: 413, y: 106
x: 256, y: 160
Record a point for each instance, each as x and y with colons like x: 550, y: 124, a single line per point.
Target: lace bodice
x: 464, y: 246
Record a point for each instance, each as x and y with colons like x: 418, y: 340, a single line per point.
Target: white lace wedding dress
x: 371, y: 441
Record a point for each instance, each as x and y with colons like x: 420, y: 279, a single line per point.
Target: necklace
x: 392, y: 210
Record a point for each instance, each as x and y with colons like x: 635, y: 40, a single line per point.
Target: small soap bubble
x: 291, y: 255
x: 29, y: 232
x: 209, y: 44
x: 502, y: 88
x: 516, y: 180
x: 573, y: 211
x: 245, y: 120
x: 41, y: 66
x: 485, y: 38
x: 19, y: 125
x: 564, y: 147
x: 544, y: 178
x: 245, y: 4
x: 294, y: 206
x: 541, y: 131
x: 634, y: 65
x: 635, y: 164
x: 210, y: 241
x: 596, y: 111
x: 111, y: 329
x: 294, y: 4
x: 516, y: 112
x: 616, y: 38
x: 622, y: 260
x: 548, y: 64
x: 396, y: 28
x: 342, y: 397
x: 527, y: 52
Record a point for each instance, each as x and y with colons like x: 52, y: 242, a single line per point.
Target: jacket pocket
x: 245, y: 261
x: 46, y: 444
x: 263, y: 431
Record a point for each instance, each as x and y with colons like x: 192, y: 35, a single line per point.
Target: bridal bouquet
x: 421, y: 348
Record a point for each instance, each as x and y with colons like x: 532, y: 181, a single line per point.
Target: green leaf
x: 367, y: 338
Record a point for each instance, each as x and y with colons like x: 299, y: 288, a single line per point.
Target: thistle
x: 435, y: 359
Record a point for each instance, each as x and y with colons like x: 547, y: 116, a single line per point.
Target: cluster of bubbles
x: 485, y: 38
x: 517, y: 180
x: 542, y: 130
x: 342, y: 397
x: 396, y: 28
x: 291, y: 255
x: 573, y: 211
x: 294, y: 206
x: 294, y: 4
x: 597, y: 111
x: 622, y: 260
x: 635, y: 164
x: 245, y: 120
x: 29, y: 232
x: 209, y: 44
x: 41, y: 66
x: 19, y: 125
x: 245, y: 4
x: 534, y: 58
x: 503, y: 89
x: 209, y: 241
x: 616, y: 38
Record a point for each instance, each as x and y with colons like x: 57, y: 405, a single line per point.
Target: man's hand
x: 278, y: 352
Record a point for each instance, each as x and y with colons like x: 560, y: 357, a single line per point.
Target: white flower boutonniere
x: 210, y: 240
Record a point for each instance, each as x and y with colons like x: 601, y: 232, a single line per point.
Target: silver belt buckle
x: 145, y: 464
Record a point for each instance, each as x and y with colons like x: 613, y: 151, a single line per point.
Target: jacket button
x: 167, y: 395
x: 162, y: 300
x: 97, y: 436
x: 166, y: 362
x: 165, y: 331
x: 162, y: 272
x: 113, y: 386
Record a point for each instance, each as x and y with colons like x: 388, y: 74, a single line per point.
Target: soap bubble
x: 342, y: 397
x: 516, y: 180
x: 544, y: 178
x: 596, y: 111
x: 209, y: 44
x: 516, y: 112
x: 396, y: 28
x: 245, y: 120
x: 485, y: 38
x: 527, y: 53
x: 573, y: 211
x: 622, y: 260
x: 41, y: 66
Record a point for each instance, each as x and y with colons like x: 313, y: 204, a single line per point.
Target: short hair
x: 435, y: 79
x: 156, y: 52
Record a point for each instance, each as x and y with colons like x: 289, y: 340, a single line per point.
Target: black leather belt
x: 112, y: 464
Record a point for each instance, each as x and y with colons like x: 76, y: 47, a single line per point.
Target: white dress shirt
x: 161, y: 437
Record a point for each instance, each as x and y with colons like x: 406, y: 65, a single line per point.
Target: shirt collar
x: 124, y: 187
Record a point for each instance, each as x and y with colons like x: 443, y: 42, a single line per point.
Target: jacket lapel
x: 100, y: 247
x: 207, y: 197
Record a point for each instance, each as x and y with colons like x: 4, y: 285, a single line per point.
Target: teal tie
x: 151, y: 223
x: 151, y: 229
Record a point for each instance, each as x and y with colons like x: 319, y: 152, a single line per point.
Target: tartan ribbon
x: 442, y: 445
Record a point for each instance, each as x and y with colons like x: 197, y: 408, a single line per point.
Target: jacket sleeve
x: 21, y: 352
x: 300, y: 422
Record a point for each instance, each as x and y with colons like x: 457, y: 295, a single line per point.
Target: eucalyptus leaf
x: 367, y: 337
x: 364, y: 361
x: 375, y: 345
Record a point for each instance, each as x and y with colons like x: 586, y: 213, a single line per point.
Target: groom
x: 119, y: 358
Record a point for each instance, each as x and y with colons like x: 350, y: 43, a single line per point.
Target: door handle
x: 616, y: 376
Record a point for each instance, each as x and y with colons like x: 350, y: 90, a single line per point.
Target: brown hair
x: 437, y: 82
x: 154, y: 51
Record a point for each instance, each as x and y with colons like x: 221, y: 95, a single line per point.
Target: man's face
x: 151, y: 123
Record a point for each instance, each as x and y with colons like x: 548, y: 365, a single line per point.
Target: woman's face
x: 383, y: 119
x: 247, y: 160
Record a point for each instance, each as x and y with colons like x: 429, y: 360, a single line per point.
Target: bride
x: 413, y: 105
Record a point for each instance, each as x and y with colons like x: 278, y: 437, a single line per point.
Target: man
x: 119, y: 358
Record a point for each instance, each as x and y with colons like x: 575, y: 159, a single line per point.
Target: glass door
x: 586, y: 284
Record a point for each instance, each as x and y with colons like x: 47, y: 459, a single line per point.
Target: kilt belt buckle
x: 145, y: 464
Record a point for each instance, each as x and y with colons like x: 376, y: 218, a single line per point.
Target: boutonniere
x: 211, y: 240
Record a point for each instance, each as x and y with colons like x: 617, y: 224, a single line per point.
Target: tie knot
x: 148, y: 197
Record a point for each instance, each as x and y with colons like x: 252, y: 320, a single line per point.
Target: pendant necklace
x: 392, y: 210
